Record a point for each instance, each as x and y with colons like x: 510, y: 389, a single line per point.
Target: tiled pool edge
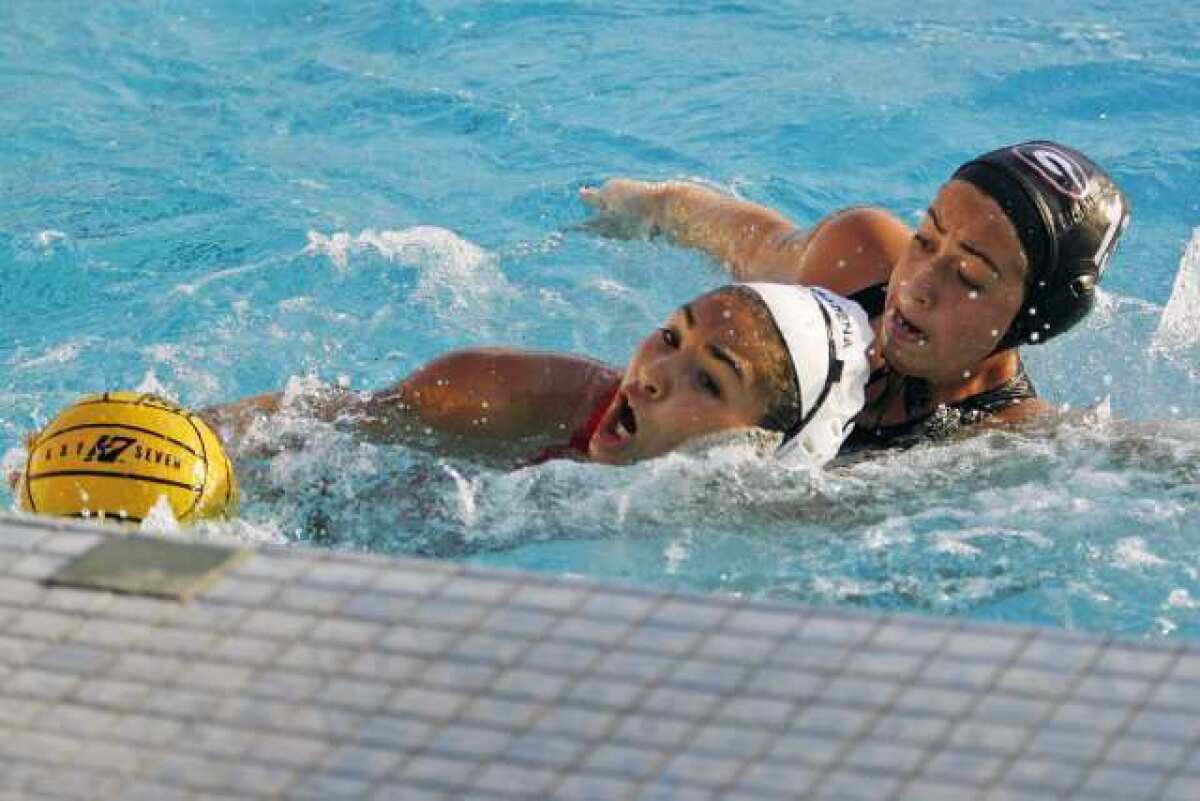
x: 316, y: 674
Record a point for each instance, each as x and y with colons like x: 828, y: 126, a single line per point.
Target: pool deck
x: 314, y: 674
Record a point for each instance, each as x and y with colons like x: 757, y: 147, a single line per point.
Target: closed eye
x: 968, y: 283
x: 670, y: 337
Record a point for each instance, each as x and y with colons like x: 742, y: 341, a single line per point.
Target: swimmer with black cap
x: 785, y: 358
x: 1009, y: 253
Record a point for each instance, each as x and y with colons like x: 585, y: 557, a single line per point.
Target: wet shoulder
x: 854, y: 248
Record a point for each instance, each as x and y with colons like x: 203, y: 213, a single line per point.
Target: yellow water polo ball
x: 114, y: 456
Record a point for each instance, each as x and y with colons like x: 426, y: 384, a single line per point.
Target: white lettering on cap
x: 1057, y: 167
x: 1107, y: 244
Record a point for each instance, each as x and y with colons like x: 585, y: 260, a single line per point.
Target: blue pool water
x: 214, y: 199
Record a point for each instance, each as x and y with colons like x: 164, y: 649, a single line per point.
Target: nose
x: 654, y: 379
x: 922, y: 282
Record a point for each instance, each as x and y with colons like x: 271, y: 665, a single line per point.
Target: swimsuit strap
x: 872, y: 299
x: 1014, y: 390
x: 577, y: 445
x: 945, y: 419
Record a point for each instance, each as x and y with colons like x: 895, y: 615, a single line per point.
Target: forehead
x: 979, y: 219
x: 728, y: 318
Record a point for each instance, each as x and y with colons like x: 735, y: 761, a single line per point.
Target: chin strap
x: 832, y: 376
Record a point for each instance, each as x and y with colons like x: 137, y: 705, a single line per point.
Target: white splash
x: 454, y: 273
x: 47, y: 238
x: 1182, y: 599
x: 607, y: 286
x: 152, y: 385
x: 675, y: 554
x: 1131, y: 552
x: 466, y: 492
x: 160, y: 518
x: 59, y: 354
x: 1180, y: 323
x: 191, y: 288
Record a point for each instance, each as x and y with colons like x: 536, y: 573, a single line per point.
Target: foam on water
x: 262, y: 197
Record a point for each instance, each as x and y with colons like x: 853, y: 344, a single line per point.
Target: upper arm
x: 491, y: 394
x: 844, y: 252
x: 852, y: 249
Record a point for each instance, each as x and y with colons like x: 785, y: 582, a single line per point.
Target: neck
x: 990, y: 373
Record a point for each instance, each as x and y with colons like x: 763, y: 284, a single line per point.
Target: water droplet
x: 973, y: 295
x: 841, y: 263
x: 858, y: 249
x: 870, y: 351
x: 1032, y: 310
x: 1175, y: 410
x: 1035, y: 336
x: 966, y: 373
x: 995, y: 332
x: 1046, y: 326
x: 726, y: 314
x: 1108, y: 379
x: 484, y: 405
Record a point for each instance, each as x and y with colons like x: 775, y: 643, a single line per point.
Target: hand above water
x: 627, y: 207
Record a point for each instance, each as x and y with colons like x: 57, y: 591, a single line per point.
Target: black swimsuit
x: 941, y: 422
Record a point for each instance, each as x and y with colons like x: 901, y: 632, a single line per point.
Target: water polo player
x: 1009, y: 252
x: 785, y: 358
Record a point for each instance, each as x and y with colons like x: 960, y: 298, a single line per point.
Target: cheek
x: 986, y: 322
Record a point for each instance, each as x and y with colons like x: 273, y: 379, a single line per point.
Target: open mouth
x: 618, y: 425
x: 625, y: 423
x: 905, y: 330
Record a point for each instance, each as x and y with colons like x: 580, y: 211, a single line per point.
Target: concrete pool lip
x: 318, y: 674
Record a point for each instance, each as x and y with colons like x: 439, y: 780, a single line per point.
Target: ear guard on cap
x: 827, y: 337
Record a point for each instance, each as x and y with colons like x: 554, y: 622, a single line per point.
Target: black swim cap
x: 1068, y: 214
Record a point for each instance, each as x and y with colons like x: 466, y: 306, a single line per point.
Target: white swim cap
x: 827, y: 338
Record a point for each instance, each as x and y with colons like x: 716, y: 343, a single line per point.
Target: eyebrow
x: 936, y: 222
x: 974, y: 250
x: 725, y: 356
x: 716, y: 351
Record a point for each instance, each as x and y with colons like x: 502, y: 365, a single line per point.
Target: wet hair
x: 775, y: 374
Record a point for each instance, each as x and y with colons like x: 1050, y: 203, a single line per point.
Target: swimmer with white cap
x: 785, y: 358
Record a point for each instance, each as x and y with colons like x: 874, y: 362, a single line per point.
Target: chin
x: 900, y: 361
x: 609, y: 457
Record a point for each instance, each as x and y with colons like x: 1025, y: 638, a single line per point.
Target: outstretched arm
x: 491, y: 395
x: 754, y: 242
x: 492, y: 401
x: 844, y: 252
